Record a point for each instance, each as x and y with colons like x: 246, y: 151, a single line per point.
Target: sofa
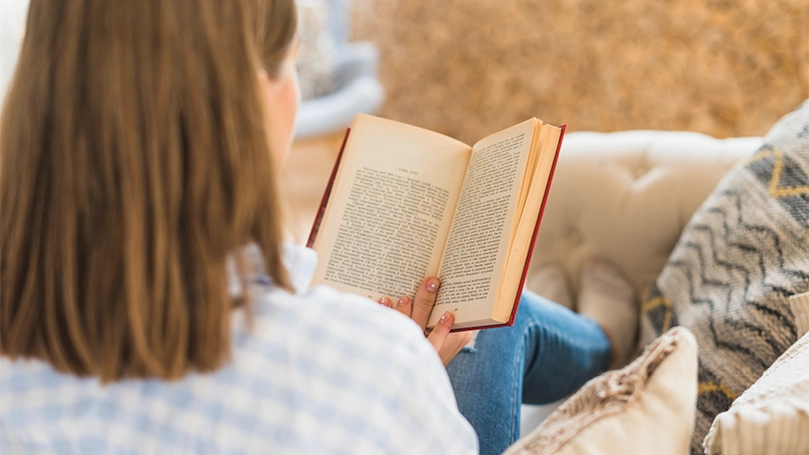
x: 626, y: 197
x: 713, y: 234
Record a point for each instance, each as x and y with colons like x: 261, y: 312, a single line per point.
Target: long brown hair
x: 133, y: 161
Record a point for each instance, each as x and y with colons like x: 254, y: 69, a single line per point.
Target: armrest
x: 626, y: 196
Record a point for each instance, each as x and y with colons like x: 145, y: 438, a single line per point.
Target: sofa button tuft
x: 574, y: 236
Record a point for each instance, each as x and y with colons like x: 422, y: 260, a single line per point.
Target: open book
x: 404, y: 203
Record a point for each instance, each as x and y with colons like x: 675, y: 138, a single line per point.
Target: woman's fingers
x: 404, y: 305
x: 447, y: 344
x: 424, y: 301
x: 439, y: 334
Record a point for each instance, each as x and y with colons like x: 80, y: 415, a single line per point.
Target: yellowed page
x: 530, y: 168
x: 477, y: 246
x: 390, y: 208
x: 512, y: 272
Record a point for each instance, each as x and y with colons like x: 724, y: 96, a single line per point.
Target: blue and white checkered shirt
x: 321, y: 372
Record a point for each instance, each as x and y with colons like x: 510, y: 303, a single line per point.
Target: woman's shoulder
x: 321, y: 312
x: 364, y: 364
x: 301, y: 364
x: 325, y: 317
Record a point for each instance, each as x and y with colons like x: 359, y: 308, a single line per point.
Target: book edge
x: 327, y: 193
x: 530, y: 254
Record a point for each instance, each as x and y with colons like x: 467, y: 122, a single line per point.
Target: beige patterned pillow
x: 741, y: 256
x: 647, y: 407
x: 772, y: 416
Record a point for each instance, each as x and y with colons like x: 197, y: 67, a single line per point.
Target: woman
x: 138, y: 149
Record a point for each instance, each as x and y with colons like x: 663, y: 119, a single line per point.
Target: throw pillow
x: 646, y: 407
x: 772, y: 416
x: 743, y: 253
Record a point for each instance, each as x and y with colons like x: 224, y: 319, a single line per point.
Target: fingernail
x: 385, y: 301
x: 444, y: 318
x: 432, y: 285
x: 401, y: 302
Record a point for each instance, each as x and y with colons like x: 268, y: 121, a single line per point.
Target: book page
x: 477, y: 245
x: 390, y: 209
x: 548, y: 141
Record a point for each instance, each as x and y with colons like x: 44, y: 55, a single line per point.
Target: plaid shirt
x: 321, y: 372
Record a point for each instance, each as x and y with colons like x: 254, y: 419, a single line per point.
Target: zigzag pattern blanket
x: 744, y: 252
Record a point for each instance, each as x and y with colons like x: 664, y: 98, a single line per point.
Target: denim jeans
x: 548, y: 354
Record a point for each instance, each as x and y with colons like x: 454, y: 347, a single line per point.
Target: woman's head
x: 133, y: 159
x: 277, y: 49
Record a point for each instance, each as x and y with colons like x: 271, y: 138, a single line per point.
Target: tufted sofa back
x: 626, y: 197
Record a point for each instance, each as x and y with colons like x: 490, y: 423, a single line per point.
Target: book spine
x: 322, y: 210
x: 536, y: 229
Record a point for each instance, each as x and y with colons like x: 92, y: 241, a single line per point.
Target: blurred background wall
x: 470, y: 67
x: 11, y: 24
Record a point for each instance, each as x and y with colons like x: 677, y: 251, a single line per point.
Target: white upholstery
x: 626, y: 197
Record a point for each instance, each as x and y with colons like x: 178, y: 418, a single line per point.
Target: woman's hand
x: 446, y: 344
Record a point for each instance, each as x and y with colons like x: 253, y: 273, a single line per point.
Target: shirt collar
x: 301, y: 263
x: 299, y: 260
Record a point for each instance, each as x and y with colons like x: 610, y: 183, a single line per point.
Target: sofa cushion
x: 647, y: 407
x: 743, y: 253
x: 772, y: 416
x: 626, y: 196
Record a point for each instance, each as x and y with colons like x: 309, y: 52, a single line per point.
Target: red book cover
x: 327, y: 193
x: 322, y: 210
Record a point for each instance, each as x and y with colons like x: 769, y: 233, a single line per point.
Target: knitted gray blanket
x: 728, y: 280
